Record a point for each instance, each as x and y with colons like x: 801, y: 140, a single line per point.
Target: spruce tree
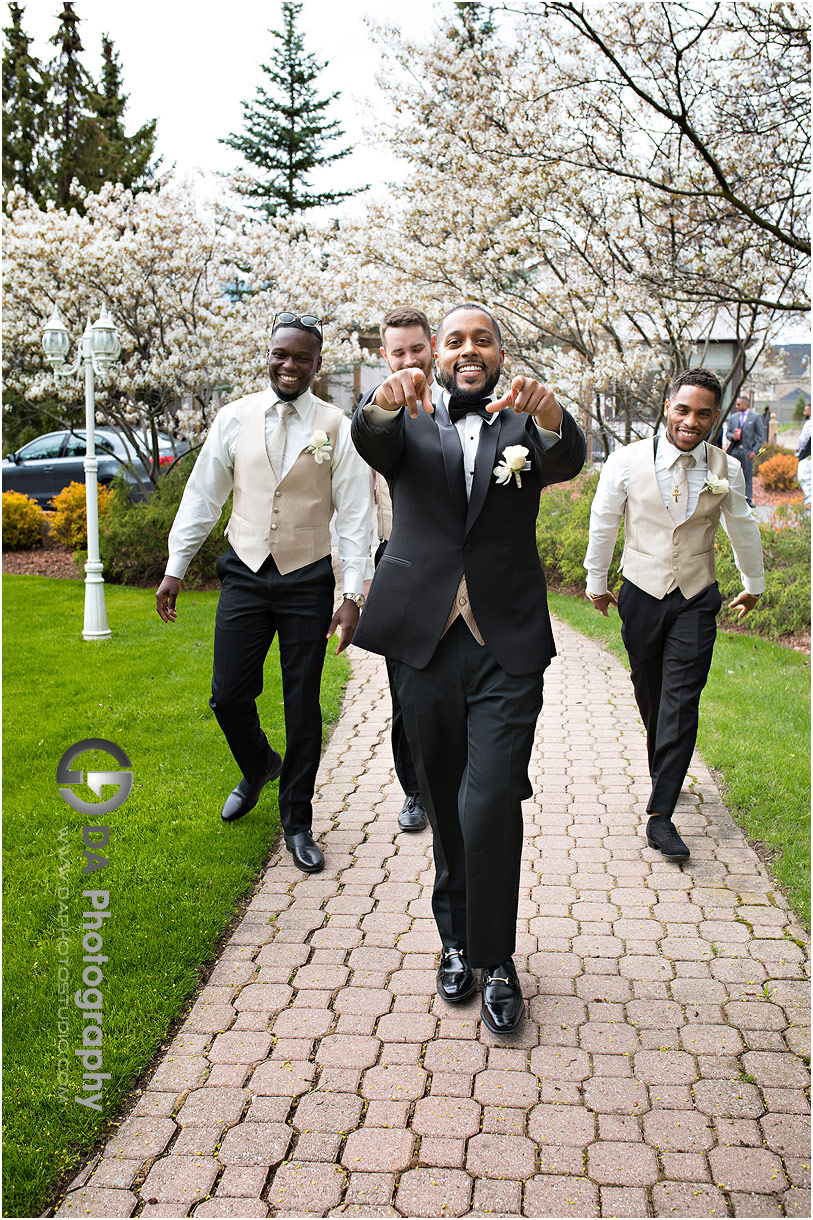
x: 25, y: 92
x: 74, y: 147
x: 285, y: 128
x: 121, y: 158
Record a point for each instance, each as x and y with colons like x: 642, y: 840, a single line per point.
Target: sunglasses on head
x: 307, y: 319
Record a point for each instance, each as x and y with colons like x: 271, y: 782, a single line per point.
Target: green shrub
x: 69, y: 521
x: 779, y: 473
x: 134, y: 534
x: 562, y: 528
x: 784, y: 609
x: 770, y: 451
x: 23, y: 522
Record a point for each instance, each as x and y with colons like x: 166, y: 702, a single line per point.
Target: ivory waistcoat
x: 656, y: 551
x: 290, y: 519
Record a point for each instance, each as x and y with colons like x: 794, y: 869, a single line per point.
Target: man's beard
x: 464, y: 397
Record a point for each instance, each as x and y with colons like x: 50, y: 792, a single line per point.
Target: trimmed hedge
x: 134, y: 534
x: 784, y: 609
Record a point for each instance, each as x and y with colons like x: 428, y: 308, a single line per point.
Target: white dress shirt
x: 212, y: 479
x: 607, y: 512
x: 468, y: 429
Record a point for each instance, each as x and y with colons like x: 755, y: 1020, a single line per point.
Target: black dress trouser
x: 470, y: 727
x: 401, y: 755
x: 252, y: 609
x: 670, y: 642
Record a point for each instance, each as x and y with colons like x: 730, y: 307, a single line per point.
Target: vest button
x: 274, y: 525
x: 277, y: 494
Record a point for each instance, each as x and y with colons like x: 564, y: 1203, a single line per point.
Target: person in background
x: 744, y: 436
x: 803, y: 454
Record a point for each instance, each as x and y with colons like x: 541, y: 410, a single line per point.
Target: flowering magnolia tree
x: 600, y: 190
x: 192, y: 290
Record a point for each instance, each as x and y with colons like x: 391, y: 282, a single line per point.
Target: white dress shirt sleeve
x: 380, y: 416
x: 548, y: 439
x: 206, y: 491
x: 741, y: 526
x: 350, y: 478
x: 606, y: 514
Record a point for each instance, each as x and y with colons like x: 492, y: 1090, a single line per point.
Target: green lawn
x: 175, y: 873
x: 754, y: 731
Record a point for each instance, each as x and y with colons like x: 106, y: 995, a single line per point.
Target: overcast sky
x: 191, y: 64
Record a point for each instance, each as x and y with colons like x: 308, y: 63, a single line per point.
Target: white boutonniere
x: 320, y: 446
x: 717, y: 487
x: 513, y: 460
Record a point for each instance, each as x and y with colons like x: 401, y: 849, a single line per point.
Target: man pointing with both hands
x: 458, y: 604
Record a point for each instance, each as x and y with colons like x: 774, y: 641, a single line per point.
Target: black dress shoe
x: 307, y: 855
x: 503, y: 1006
x: 661, y: 834
x: 413, y: 814
x: 455, y: 980
x: 245, y: 796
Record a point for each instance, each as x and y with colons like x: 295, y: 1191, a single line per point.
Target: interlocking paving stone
x: 301, y: 1188
x: 653, y: 1074
x: 688, y: 1199
x: 91, y: 1202
x: 560, y: 1195
x: 434, y: 1192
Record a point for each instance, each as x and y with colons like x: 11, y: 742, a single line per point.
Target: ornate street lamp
x: 99, y: 351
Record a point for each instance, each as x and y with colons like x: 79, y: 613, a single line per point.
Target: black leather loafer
x: 413, y: 814
x: 661, y: 834
x: 307, y: 855
x: 503, y: 1007
x: 455, y: 980
x: 245, y: 796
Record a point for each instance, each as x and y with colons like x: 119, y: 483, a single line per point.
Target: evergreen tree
x: 285, y: 128
x: 121, y: 158
x: 25, y: 91
x: 74, y: 146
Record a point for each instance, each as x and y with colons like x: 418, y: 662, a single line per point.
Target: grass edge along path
x: 754, y: 734
x: 176, y: 873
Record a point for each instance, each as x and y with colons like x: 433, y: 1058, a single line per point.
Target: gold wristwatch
x: 358, y: 598
x: 594, y: 597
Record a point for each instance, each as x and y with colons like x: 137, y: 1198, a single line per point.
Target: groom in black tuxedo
x: 458, y: 604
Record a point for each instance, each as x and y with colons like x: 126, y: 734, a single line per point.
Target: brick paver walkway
x: 660, y: 1071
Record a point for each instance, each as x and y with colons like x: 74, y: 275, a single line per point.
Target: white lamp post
x: 100, y: 349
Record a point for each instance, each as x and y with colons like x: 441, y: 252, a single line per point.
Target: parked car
x: 43, y: 467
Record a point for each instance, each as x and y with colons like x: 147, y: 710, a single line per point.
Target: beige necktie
x: 679, y: 496
x: 276, y: 443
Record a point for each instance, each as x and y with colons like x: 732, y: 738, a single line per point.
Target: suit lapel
x: 483, y: 468
x: 452, y: 452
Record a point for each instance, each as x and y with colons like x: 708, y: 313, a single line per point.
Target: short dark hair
x: 309, y: 330
x: 471, y: 305
x: 405, y: 315
x: 704, y: 378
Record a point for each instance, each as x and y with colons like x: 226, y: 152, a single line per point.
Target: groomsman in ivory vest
x: 289, y: 459
x: 671, y: 492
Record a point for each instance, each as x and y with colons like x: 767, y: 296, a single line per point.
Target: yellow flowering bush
x: 23, y: 520
x: 70, y: 516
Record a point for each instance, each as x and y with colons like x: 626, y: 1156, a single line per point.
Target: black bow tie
x: 460, y: 410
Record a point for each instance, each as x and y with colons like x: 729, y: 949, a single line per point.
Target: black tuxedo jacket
x: 437, y: 535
